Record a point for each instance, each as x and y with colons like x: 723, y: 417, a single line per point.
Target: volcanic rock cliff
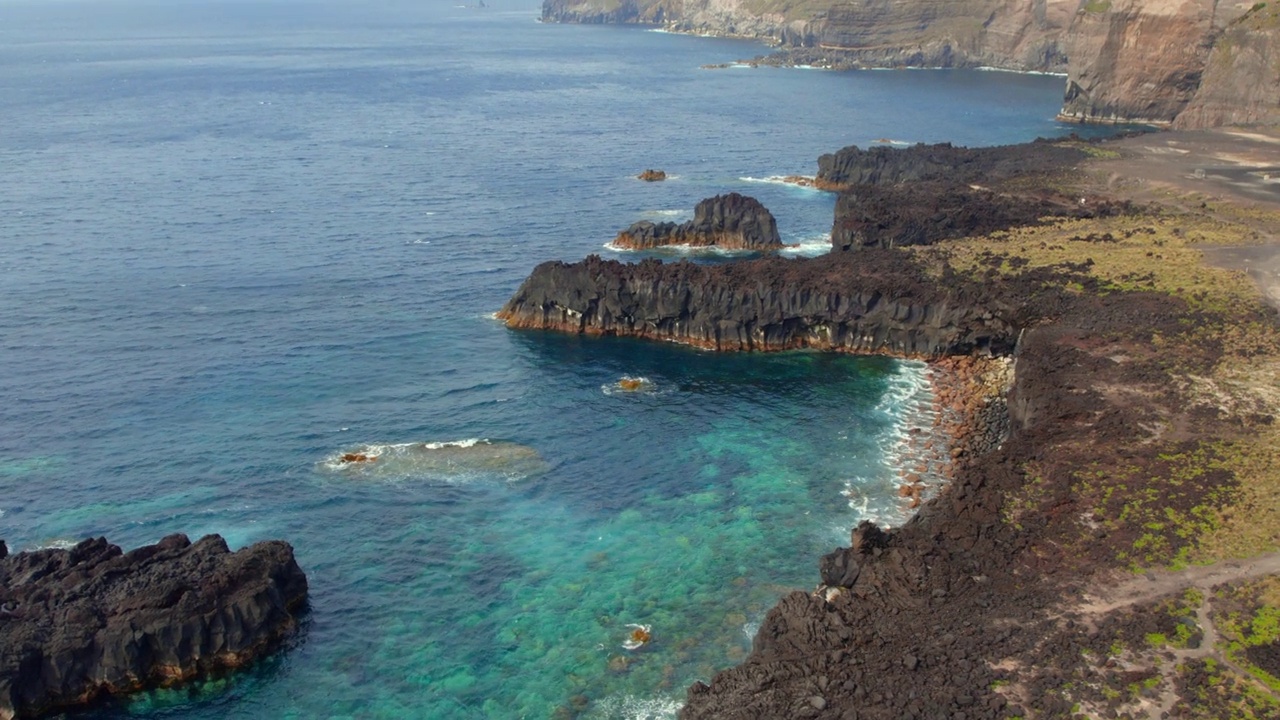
x: 876, y: 304
x: 80, y: 624
x: 731, y: 221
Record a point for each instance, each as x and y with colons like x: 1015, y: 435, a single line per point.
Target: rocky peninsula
x: 93, y: 621
x: 1107, y: 542
x: 729, y: 222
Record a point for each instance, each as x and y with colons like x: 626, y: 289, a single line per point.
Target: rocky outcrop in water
x: 732, y: 222
x: 875, y: 304
x: 77, y: 625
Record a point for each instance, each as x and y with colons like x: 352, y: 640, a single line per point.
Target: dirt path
x: 1155, y: 584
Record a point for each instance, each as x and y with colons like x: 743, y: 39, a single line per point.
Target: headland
x: 1106, y: 543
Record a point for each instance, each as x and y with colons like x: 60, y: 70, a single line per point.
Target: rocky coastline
x: 1213, y: 63
x: 87, y: 623
x: 1095, y: 323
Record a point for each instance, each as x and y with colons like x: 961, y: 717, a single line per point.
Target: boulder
x: 732, y: 221
x: 93, y: 621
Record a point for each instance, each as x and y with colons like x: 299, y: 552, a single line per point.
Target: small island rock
x: 732, y: 222
x: 651, y: 175
x: 92, y: 621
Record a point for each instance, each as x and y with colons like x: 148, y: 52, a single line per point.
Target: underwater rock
x: 94, y: 621
x: 639, y: 636
x: 451, y: 461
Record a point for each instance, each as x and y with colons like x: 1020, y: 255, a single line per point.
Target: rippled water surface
x: 240, y: 240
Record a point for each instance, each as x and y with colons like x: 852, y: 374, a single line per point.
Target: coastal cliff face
x: 732, y: 221
x: 874, y: 305
x: 1241, y: 80
x: 77, y: 625
x: 895, y: 33
x: 1136, y: 60
x: 1190, y: 63
x: 936, y: 33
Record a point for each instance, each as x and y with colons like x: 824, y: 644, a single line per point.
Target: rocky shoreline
x: 1095, y: 324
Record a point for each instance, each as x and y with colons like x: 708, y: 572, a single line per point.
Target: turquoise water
x: 240, y: 240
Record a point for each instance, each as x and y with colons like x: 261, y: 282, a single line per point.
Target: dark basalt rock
x: 80, y: 624
x: 932, y: 211
x: 944, y: 161
x: 929, y: 193
x: 731, y: 221
x: 870, y: 302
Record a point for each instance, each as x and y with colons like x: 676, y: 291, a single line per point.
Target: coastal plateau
x: 1108, y: 549
x: 1193, y: 63
x: 83, y: 624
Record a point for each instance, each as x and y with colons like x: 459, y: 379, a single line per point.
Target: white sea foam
x: 56, y: 544
x: 694, y: 250
x: 643, y: 386
x: 781, y: 180
x: 809, y: 247
x: 986, y: 68
x: 908, y: 404
x: 630, y: 707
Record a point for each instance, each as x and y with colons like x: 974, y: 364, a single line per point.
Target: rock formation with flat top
x: 77, y: 625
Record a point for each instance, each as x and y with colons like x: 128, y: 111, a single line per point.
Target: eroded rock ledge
x: 878, y: 303
x: 81, y: 624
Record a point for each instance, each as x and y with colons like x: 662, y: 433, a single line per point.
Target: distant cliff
x: 1189, y: 63
x: 942, y: 33
x: 1241, y: 80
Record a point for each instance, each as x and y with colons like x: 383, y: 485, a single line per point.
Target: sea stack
x: 731, y: 222
x: 78, y: 625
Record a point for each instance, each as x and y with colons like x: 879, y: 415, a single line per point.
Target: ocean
x: 241, y: 239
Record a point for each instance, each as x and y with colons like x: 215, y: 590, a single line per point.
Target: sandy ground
x: 1241, y: 167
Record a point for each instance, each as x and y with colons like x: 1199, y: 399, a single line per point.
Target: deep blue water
x: 238, y: 239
